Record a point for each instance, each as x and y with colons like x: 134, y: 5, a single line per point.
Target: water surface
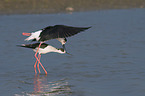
x: 108, y: 59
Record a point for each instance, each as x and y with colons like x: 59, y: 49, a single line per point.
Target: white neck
x: 61, y: 40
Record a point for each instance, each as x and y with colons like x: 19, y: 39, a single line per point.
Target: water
x: 108, y: 59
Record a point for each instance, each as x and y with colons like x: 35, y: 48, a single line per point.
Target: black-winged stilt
x: 44, y: 48
x: 59, y: 32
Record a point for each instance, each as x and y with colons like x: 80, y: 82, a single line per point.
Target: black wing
x: 60, y: 31
x: 33, y: 46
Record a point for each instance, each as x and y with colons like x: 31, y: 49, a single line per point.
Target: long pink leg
x: 35, y: 67
x: 42, y: 65
x: 39, y: 56
x: 26, y: 34
x: 38, y: 59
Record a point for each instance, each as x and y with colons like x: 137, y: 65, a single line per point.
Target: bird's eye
x: 65, y: 39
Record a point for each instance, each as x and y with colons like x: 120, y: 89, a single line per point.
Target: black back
x: 59, y: 31
x: 33, y: 46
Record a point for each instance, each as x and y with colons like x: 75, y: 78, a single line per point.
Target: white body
x: 48, y: 49
x: 34, y: 35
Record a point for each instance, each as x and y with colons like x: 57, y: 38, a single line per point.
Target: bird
x: 44, y: 48
x: 59, y: 32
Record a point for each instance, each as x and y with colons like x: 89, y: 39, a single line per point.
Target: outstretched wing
x: 33, y: 46
x: 60, y: 31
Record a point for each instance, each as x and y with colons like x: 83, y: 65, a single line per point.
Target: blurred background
x: 55, y: 6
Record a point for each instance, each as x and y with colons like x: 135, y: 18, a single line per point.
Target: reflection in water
x: 43, y: 87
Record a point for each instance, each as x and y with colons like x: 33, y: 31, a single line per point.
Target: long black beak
x: 69, y: 53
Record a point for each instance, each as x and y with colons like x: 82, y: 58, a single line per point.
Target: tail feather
x: 28, y: 45
x: 33, y: 36
x: 29, y: 38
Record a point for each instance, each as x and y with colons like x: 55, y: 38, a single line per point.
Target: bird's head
x: 62, y: 51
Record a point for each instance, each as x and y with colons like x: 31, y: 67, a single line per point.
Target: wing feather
x: 33, y: 46
x: 60, y: 31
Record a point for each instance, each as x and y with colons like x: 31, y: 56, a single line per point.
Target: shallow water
x: 107, y: 60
